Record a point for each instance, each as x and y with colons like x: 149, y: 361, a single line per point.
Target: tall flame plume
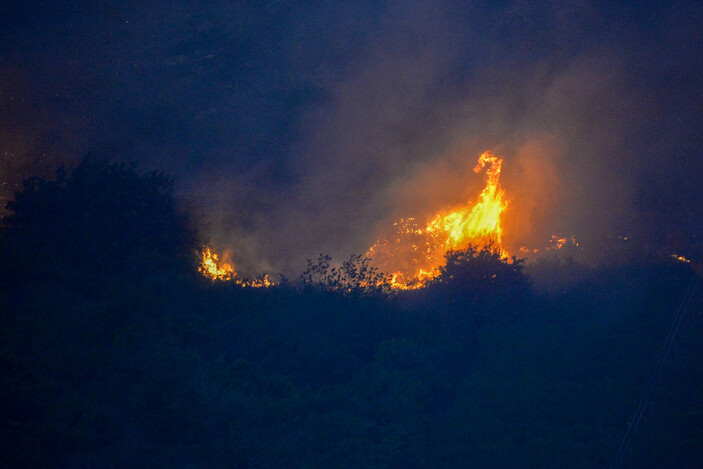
x: 415, y: 252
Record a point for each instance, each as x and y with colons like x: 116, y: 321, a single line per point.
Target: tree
x: 485, y: 266
x: 480, y: 277
x: 99, y: 219
x: 353, y: 276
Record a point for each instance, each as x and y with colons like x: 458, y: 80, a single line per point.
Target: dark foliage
x: 482, y: 270
x: 354, y: 276
x: 100, y: 219
x: 163, y: 370
x: 479, y: 280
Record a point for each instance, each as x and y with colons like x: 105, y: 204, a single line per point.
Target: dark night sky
x: 296, y: 128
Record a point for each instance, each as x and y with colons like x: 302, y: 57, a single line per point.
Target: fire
x: 416, y: 252
x: 556, y: 243
x: 263, y: 282
x: 215, y: 269
x: 481, y: 222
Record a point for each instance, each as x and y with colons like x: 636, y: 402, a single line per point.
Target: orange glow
x: 415, y: 252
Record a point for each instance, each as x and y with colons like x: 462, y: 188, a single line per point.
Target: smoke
x: 539, y: 196
x: 307, y: 129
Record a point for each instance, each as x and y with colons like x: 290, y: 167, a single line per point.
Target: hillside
x: 141, y: 362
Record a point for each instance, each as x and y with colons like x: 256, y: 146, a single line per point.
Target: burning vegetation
x: 116, y: 274
x: 216, y: 269
x: 415, y: 252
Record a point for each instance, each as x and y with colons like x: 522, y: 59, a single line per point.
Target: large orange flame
x: 415, y: 252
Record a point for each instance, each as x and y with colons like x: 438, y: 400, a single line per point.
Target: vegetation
x: 100, y: 220
x: 354, y: 276
x: 115, y: 353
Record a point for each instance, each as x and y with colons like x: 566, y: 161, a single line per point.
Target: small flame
x: 219, y: 270
x: 214, y: 269
x: 556, y: 242
x: 680, y: 258
x: 416, y: 252
x: 263, y: 282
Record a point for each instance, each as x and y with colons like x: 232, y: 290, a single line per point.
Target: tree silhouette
x: 475, y: 277
x: 353, y: 276
x: 99, y: 219
x: 485, y: 267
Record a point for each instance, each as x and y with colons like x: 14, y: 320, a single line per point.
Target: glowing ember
x: 680, y: 258
x: 557, y: 243
x: 415, y: 252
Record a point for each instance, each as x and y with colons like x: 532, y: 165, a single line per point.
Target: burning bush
x: 415, y: 251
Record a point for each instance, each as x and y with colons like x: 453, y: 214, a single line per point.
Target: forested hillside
x: 115, y: 352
